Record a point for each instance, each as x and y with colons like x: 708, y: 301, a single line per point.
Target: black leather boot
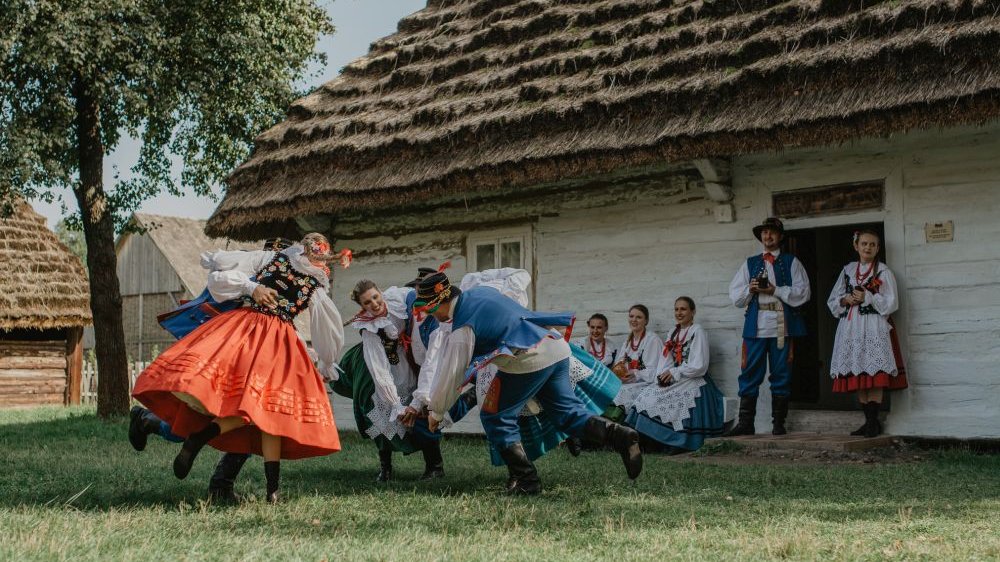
x: 574, y: 446
x: 522, y: 475
x: 623, y: 439
x: 748, y: 411
x: 385, y: 466
x: 779, y: 411
x: 873, y: 427
x: 142, y: 423
x: 860, y: 432
x: 220, y: 487
x: 433, y: 461
x: 191, y: 447
x: 272, y: 472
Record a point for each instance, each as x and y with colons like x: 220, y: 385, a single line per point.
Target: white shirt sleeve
x: 455, y: 360
x: 664, y: 363
x: 739, y: 287
x: 230, y: 272
x: 798, y: 293
x: 428, y: 371
x: 651, y: 352
x: 378, y: 365
x: 327, y: 330
x: 838, y: 292
x: 886, y: 300
x: 696, y: 364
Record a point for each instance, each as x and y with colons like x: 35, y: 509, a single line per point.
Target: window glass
x: 510, y: 254
x: 486, y: 256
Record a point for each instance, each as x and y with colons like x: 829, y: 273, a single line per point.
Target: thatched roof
x: 43, y: 285
x: 489, y: 94
x: 181, y: 241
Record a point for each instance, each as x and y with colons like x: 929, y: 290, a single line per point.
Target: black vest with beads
x: 294, y: 288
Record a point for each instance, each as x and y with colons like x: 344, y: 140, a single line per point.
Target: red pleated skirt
x: 248, y: 364
x: 881, y: 379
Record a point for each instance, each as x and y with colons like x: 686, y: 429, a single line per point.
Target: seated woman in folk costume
x: 244, y: 382
x: 383, y: 377
x: 866, y: 355
x: 596, y: 342
x: 635, y: 360
x: 684, y: 406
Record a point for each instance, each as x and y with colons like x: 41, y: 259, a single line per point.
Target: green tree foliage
x: 73, y: 239
x: 192, y: 80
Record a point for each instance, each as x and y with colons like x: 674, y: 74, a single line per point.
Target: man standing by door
x: 771, y: 286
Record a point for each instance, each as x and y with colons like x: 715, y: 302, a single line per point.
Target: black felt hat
x: 436, y: 288
x: 421, y: 273
x: 773, y: 223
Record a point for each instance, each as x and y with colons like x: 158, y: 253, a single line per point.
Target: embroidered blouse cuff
x: 437, y: 417
x: 249, y: 287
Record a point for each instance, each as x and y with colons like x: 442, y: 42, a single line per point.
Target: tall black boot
x: 385, y: 465
x: 873, y: 427
x: 748, y: 412
x: 522, y: 475
x: 623, y: 439
x: 142, y: 423
x: 220, y: 487
x: 433, y: 461
x: 272, y: 472
x: 860, y: 432
x: 779, y: 411
x: 192, y: 445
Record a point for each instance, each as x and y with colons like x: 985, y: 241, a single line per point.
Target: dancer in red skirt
x: 866, y: 357
x: 243, y: 382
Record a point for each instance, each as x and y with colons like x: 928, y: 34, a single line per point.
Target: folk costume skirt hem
x: 851, y: 382
x: 248, y: 364
x: 707, y: 420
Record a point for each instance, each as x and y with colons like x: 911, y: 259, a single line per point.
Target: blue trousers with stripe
x: 759, y: 353
x: 509, y: 392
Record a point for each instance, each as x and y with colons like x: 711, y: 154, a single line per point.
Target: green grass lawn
x: 71, y: 487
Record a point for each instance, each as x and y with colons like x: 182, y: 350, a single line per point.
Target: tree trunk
x: 99, y: 232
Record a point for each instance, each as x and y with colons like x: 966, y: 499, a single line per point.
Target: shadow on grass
x: 88, y: 464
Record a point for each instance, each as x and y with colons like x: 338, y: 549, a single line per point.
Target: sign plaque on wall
x: 939, y: 231
x: 829, y: 199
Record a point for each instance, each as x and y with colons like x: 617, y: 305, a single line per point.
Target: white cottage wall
x: 949, y: 319
x: 652, y: 242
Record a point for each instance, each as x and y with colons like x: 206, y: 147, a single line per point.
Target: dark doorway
x: 824, y: 252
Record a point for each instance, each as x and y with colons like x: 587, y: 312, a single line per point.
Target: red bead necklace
x: 858, y: 277
x: 636, y: 346
x: 593, y: 349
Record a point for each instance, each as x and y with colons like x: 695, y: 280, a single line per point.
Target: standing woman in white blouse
x: 866, y: 357
x: 244, y: 382
x: 684, y: 406
x: 636, y: 359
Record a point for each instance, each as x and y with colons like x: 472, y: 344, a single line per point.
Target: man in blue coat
x: 772, y: 286
x: 532, y: 361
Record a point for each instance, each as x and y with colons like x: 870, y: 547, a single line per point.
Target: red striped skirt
x: 248, y: 364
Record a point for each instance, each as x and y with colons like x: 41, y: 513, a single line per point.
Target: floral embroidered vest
x: 294, y: 288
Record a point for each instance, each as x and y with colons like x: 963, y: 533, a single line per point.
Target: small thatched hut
x: 621, y: 150
x: 44, y: 305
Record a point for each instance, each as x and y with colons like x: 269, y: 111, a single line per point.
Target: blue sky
x: 358, y: 23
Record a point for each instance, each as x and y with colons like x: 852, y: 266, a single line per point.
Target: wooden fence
x: 88, y: 382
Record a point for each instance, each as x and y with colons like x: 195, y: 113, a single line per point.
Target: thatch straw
x: 43, y: 284
x: 493, y: 94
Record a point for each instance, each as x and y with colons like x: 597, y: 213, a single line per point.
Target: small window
x: 499, y: 249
